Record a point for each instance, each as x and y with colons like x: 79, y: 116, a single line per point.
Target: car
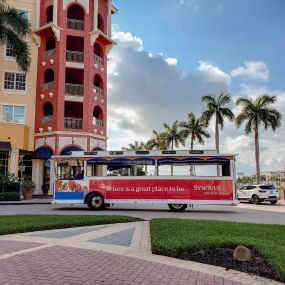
x: 258, y: 193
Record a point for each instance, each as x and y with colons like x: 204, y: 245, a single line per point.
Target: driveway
x: 266, y: 214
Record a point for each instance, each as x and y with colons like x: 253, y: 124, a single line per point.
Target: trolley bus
x: 174, y: 178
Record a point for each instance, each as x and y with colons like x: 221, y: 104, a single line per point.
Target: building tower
x: 71, y: 99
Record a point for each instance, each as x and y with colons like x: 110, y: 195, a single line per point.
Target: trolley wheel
x: 95, y: 202
x: 177, y: 207
x: 255, y: 200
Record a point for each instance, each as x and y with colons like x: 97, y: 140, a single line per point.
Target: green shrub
x: 9, y: 183
x: 10, y: 196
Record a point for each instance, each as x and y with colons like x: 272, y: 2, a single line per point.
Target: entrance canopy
x: 5, y: 146
x: 43, y: 153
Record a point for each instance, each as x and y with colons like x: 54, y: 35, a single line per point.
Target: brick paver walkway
x: 7, y: 246
x: 60, y: 265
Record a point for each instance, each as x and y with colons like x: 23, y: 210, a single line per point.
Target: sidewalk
x: 105, y: 254
x: 34, y: 201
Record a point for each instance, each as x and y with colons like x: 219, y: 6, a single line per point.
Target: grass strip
x: 171, y: 237
x: 28, y: 223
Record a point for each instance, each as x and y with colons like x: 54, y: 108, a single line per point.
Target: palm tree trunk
x: 172, y: 146
x: 257, y: 160
x: 192, y: 146
x: 217, y: 143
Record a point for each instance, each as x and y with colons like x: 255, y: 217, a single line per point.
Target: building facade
x: 72, y: 39
x: 17, y: 103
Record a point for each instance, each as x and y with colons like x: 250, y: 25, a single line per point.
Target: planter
x: 28, y: 194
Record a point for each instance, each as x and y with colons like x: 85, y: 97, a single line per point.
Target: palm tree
x: 216, y: 108
x: 172, y: 137
x: 13, y: 28
x: 157, y: 142
x: 194, y: 129
x: 134, y: 146
x: 257, y: 112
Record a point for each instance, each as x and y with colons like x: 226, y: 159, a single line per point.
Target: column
x: 95, y: 20
x: 55, y: 11
x: 14, y: 161
x: 38, y: 174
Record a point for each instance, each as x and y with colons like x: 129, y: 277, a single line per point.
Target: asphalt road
x: 265, y: 214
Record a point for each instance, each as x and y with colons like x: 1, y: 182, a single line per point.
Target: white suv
x: 258, y: 193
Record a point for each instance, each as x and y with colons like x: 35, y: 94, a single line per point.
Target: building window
x: 15, y: 81
x: 4, y: 156
x: 10, y: 51
x: 13, y: 114
x: 25, y: 14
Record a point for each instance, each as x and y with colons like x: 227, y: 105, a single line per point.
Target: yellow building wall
x: 21, y: 136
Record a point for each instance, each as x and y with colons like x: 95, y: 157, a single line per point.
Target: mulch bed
x: 224, y: 257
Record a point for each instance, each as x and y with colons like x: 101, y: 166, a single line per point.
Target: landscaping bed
x: 28, y: 223
x: 213, y: 242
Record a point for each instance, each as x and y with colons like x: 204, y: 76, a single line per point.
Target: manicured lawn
x: 172, y: 237
x: 29, y: 223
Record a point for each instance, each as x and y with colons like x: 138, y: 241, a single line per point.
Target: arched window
x: 75, y: 17
x: 49, y: 14
x: 100, y: 23
x: 98, y: 117
x: 48, y: 109
x: 49, y: 75
x: 98, y: 81
x: 98, y: 53
x: 50, y: 43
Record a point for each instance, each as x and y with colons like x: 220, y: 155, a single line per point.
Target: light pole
x: 21, y: 174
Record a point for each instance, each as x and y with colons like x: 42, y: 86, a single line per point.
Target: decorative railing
x: 97, y: 122
x: 99, y: 59
x: 75, y: 24
x: 49, y: 53
x: 73, y: 123
x: 74, y: 89
x: 98, y: 91
x: 48, y: 85
x: 46, y: 119
x: 74, y: 56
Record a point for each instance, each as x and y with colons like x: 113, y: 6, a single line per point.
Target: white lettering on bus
x: 207, y: 188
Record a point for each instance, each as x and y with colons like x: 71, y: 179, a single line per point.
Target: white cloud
x: 171, y: 61
x: 144, y: 91
x: 252, y: 69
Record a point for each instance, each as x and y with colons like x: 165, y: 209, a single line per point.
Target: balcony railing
x: 74, y: 56
x: 75, y: 24
x: 97, y: 122
x: 74, y: 89
x: 98, y: 91
x: 49, y: 53
x: 46, y: 119
x: 99, y: 59
x: 73, y: 123
x: 48, y: 85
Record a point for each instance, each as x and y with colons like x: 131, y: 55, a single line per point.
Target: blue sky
x: 169, y: 53
x: 225, y: 33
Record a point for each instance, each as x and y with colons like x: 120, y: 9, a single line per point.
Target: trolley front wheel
x: 177, y: 207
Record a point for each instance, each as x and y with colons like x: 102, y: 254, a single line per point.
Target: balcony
x: 46, y: 119
x: 99, y: 59
x: 74, y: 89
x: 48, y: 85
x: 98, y: 91
x: 73, y: 123
x: 75, y: 24
x: 49, y: 53
x: 97, y: 122
x: 74, y: 56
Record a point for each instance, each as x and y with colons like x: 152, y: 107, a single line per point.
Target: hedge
x: 10, y: 196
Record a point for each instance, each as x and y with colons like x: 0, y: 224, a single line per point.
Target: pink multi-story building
x: 74, y: 38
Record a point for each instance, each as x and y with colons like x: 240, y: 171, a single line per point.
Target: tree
x: 216, y: 107
x: 194, y: 129
x: 134, y: 146
x: 14, y: 27
x: 157, y: 141
x: 172, y: 137
x: 255, y: 113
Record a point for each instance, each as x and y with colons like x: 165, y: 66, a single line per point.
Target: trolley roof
x: 145, y: 153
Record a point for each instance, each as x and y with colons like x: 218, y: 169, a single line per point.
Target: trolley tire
x: 177, y: 207
x: 96, y: 202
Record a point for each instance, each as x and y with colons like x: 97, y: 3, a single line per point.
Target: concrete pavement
x: 105, y: 254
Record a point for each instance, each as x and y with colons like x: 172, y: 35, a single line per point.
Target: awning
x: 5, y: 146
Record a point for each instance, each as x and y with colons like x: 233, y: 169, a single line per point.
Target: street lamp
x: 21, y: 173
